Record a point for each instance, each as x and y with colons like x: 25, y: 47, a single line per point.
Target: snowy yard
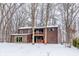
x: 21, y: 49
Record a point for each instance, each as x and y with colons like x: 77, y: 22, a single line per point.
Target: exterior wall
x: 29, y: 38
x: 25, y: 38
x: 13, y: 38
x: 52, y: 36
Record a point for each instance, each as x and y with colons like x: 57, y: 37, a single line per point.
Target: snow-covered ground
x: 21, y: 49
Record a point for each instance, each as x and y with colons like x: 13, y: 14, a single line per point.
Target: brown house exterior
x: 24, y: 35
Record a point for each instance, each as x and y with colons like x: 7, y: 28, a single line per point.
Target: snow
x: 23, y: 49
x: 21, y: 34
x: 25, y: 27
x: 38, y: 27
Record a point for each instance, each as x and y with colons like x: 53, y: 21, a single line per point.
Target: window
x: 21, y: 31
x: 51, y: 29
x: 29, y: 31
x: 39, y: 31
x: 39, y: 39
x: 18, y: 39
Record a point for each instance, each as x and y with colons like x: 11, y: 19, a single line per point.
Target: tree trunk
x: 47, y: 16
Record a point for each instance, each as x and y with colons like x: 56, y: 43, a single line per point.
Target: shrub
x: 76, y: 42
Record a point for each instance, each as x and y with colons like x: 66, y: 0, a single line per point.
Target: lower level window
x: 19, y: 39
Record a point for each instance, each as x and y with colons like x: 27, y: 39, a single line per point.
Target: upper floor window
x: 51, y: 29
x: 38, y: 30
x: 21, y: 31
x: 29, y: 31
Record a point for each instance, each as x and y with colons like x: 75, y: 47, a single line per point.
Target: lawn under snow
x: 21, y: 49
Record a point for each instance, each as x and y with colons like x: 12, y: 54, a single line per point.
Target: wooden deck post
x: 47, y: 16
x: 45, y: 39
x: 33, y: 36
x: 33, y: 21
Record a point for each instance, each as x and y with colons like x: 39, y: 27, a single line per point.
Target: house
x: 25, y: 35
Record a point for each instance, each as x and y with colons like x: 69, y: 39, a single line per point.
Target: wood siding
x: 29, y: 38
x: 52, y: 36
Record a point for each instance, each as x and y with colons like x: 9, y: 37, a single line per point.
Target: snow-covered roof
x: 53, y: 26
x: 21, y: 34
x: 37, y: 27
x: 25, y: 27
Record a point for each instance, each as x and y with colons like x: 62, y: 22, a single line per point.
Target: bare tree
x: 33, y: 10
x: 8, y: 10
x: 69, y: 12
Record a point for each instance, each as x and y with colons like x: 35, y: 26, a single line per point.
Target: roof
x: 37, y: 27
x: 21, y: 34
